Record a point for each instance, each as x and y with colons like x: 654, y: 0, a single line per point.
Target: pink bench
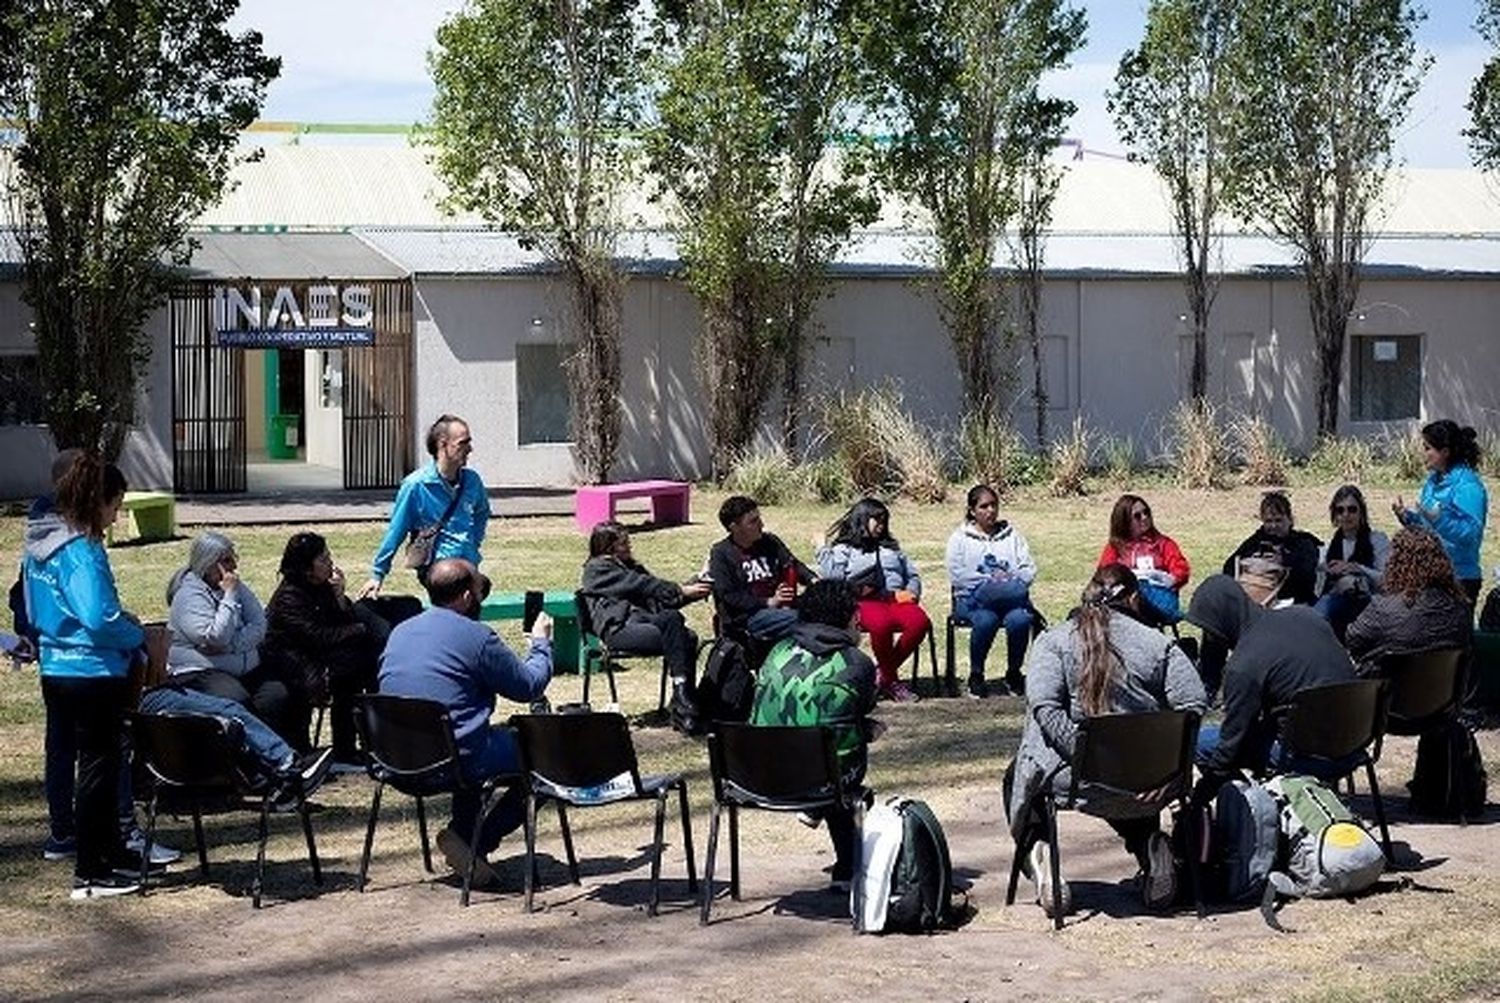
x: 595, y: 503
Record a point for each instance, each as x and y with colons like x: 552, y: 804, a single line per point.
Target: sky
x: 364, y: 61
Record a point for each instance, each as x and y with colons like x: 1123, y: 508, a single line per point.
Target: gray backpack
x: 1328, y: 852
x: 1246, y: 834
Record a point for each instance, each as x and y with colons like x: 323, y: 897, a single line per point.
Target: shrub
x: 1489, y: 453
x: 1347, y: 460
x: 882, y: 448
x: 826, y: 481
x: 1194, y: 441
x: 765, y: 474
x: 1119, y: 458
x: 1070, y: 461
x: 992, y: 452
x: 1260, y: 451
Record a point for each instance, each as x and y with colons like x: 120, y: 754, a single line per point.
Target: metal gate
x: 208, y: 398
x: 378, y: 393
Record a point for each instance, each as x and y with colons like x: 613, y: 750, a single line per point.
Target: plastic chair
x: 588, y: 760
x: 1330, y: 731
x: 409, y: 745
x: 1422, y: 689
x: 1120, y: 754
x: 200, y: 759
x: 773, y: 768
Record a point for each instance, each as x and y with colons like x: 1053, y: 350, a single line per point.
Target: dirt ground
x: 1429, y: 932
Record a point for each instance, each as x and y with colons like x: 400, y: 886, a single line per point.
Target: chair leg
x: 587, y: 668
x: 950, y: 666
x: 198, y: 836
x: 567, y: 836
x: 364, y: 860
x: 318, y: 727
x: 468, y: 885
x: 708, y: 864
x: 1016, y: 859
x: 260, y: 853
x: 734, y: 852
x: 687, y: 836
x: 932, y: 657
x: 857, y: 871
x: 531, y: 846
x: 609, y: 674
x: 312, y: 847
x: 1057, y: 917
x: 422, y: 830
x: 661, y: 695
x: 150, y: 837
x: 1385, y: 832
x: 656, y: 851
x: 1195, y: 844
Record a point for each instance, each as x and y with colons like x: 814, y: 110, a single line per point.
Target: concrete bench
x: 148, y: 515
x: 595, y: 503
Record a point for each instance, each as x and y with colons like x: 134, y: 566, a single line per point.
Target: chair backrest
x: 1335, y: 720
x: 1422, y: 685
x: 1135, y: 753
x: 406, y: 737
x: 774, y: 765
x: 577, y: 751
x: 196, y: 751
x: 585, y: 615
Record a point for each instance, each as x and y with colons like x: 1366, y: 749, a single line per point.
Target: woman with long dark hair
x: 1159, y: 565
x: 860, y: 550
x: 1103, y: 660
x: 990, y: 569
x: 1453, y: 503
x: 1421, y: 605
x: 1353, y: 561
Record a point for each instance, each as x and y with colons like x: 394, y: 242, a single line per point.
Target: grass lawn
x: 950, y: 752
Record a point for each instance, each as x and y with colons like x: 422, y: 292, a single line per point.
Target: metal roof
x: 288, y: 256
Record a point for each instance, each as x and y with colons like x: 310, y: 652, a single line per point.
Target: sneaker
x: 1040, y: 862
x: 1160, y: 886
x: 310, y: 769
x: 977, y: 688
x: 104, y: 886
x: 809, y: 819
x: 160, y: 855
x: 899, y: 692
x: 59, y: 849
x: 840, y: 878
x: 1015, y: 685
x: 456, y: 853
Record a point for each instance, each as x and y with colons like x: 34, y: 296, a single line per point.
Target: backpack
x: 1245, y: 832
x: 1449, y: 780
x: 727, y: 690
x: 1261, y: 576
x: 905, y: 884
x: 1328, y: 852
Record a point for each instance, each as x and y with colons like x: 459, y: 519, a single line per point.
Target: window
x: 1385, y: 377
x: 542, y: 393
x: 21, y: 397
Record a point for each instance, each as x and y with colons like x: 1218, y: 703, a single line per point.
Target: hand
x: 1339, y: 568
x: 784, y: 595
x: 336, y: 581
x: 370, y: 589
x: 693, y: 591
x: 228, y: 581
x: 903, y: 596
x: 542, y: 629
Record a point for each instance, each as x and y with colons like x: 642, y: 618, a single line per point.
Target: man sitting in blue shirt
x: 446, y: 655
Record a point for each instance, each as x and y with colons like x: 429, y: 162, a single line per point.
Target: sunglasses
x: 1142, y: 514
x: 1346, y: 510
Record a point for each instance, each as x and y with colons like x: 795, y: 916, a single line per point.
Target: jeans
x: 500, y: 755
x: 266, y: 697
x: 269, y: 749
x: 664, y: 634
x: 989, y: 607
x: 1341, y: 608
x: 93, y: 711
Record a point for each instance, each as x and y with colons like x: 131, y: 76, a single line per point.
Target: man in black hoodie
x: 752, y: 573
x: 1277, y: 654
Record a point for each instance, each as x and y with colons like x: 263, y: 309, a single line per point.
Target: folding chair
x: 1423, y: 689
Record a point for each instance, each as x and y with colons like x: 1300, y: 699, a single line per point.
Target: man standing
x: 446, y: 655
x: 443, y: 506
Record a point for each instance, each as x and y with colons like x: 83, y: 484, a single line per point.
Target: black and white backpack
x: 905, y: 884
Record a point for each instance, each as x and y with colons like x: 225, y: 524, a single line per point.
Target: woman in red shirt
x: 1157, y: 561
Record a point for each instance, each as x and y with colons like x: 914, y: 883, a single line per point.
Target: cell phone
x: 531, y: 609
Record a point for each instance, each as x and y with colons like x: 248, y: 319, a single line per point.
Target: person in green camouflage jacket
x: 818, y: 676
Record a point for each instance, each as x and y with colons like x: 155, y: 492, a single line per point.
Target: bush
x: 1119, y: 459
x: 1070, y: 461
x: 992, y: 452
x: 1194, y: 441
x: 765, y: 474
x: 1346, y: 460
x: 882, y: 448
x: 1260, y: 451
x: 826, y: 481
x: 1489, y: 454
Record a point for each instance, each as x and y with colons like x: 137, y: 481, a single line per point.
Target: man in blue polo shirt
x: 442, y: 499
x: 445, y: 654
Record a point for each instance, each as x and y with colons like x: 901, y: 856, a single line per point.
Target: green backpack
x: 1328, y: 851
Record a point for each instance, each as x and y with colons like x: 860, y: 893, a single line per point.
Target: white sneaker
x: 160, y: 855
x: 1159, y: 888
x: 1040, y: 861
x: 108, y: 886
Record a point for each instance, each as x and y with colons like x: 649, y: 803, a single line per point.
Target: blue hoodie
x: 1458, y: 502
x: 73, y: 605
x: 421, y: 501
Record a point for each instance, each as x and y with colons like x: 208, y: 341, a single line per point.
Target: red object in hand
x: 789, y: 577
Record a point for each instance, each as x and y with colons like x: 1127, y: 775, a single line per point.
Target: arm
x: 1364, y: 634
x: 402, y: 514
x: 1375, y: 571
x: 1241, y: 708
x: 1047, y: 697
x: 481, y: 507
x: 253, y: 617
x: 833, y: 561
x: 1184, y: 685
x: 805, y: 575
x: 961, y: 578
x: 1461, y: 520
x: 1245, y: 549
x: 1025, y: 566
x: 307, y: 628
x: 1108, y: 556
x: 731, y: 590
x: 1176, y: 562
x: 97, y: 605
x: 913, y: 579
x: 205, y: 620
x: 512, y: 678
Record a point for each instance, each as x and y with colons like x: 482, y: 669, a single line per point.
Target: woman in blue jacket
x: 1453, y: 502
x: 87, y: 643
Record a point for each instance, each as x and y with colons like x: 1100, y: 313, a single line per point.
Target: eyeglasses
x: 1346, y: 510
x: 1141, y: 514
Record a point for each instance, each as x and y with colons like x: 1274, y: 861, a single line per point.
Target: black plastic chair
x: 1422, y: 689
x: 1329, y: 731
x: 588, y: 760
x: 200, y: 760
x: 773, y: 768
x: 1125, y: 755
x: 409, y: 745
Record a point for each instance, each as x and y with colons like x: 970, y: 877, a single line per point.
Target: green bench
x: 145, y: 515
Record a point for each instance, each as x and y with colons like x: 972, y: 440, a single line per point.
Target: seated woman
x: 1160, y: 568
x: 327, y: 647
x: 861, y: 551
x: 1421, y: 606
x: 1101, y: 661
x: 1279, y: 542
x: 1353, y: 563
x: 991, y: 570
x: 636, y: 613
x: 216, y: 625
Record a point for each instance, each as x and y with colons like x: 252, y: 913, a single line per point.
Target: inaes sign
x: 293, y: 316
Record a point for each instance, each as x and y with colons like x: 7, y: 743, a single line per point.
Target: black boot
x: 684, y: 708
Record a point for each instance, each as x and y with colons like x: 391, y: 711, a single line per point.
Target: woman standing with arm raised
x: 1453, y: 503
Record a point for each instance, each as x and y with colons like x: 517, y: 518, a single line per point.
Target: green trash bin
x: 281, y: 437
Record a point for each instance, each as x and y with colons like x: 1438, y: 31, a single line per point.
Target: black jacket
x: 613, y: 588
x: 1299, y: 552
x: 1277, y: 654
x: 1389, y: 626
x: 744, y: 579
x: 307, y: 629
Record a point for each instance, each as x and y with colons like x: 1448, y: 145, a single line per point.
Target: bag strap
x: 458, y: 493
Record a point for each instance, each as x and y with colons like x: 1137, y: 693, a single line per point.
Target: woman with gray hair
x: 216, y: 626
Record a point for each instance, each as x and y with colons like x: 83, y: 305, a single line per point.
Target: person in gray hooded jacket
x: 991, y: 569
x: 216, y: 625
x: 1103, y: 660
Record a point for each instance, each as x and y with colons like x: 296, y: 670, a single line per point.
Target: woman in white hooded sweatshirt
x: 991, y: 570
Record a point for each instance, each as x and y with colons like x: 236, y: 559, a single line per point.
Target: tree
x: 1322, y: 86
x: 1171, y: 104
x: 1484, y: 97
x: 754, y: 93
x: 1036, y: 182
x: 958, y: 87
x: 126, y: 116
x: 537, y: 107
